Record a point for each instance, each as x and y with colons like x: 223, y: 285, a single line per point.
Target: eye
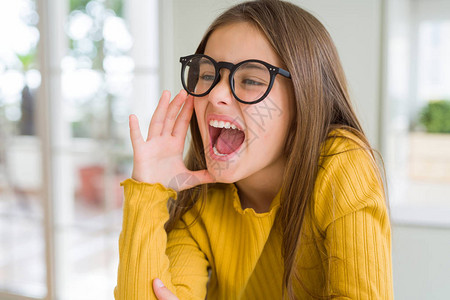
x: 251, y: 82
x: 207, y: 77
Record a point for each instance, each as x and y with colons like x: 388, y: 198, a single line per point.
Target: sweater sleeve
x: 351, y: 212
x: 143, y: 244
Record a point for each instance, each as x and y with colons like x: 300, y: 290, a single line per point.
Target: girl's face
x: 255, y: 147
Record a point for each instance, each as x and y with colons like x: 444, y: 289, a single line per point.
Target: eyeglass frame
x: 273, y: 71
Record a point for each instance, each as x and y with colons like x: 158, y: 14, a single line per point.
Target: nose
x: 221, y: 93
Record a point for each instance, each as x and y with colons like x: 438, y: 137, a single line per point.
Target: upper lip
x: 225, y: 119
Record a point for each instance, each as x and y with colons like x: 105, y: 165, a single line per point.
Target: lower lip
x: 225, y: 157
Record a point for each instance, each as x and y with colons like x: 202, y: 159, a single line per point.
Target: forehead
x: 240, y: 41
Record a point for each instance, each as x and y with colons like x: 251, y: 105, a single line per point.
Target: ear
x: 161, y: 292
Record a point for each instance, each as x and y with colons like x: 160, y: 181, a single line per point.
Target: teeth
x: 216, y: 152
x: 222, y: 124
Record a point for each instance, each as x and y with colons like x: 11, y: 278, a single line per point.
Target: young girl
x: 279, y: 195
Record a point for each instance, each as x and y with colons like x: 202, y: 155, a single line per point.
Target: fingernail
x: 159, y: 283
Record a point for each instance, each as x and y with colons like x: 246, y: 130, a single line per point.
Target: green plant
x: 435, y: 116
x: 28, y: 60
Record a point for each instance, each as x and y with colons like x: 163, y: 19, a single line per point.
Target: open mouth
x: 226, y: 137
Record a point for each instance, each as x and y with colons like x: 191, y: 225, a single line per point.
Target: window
x: 417, y: 112
x: 102, y: 66
x: 22, y: 250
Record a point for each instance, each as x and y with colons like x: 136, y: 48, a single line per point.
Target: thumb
x: 204, y: 176
x: 189, y: 179
x: 161, y: 292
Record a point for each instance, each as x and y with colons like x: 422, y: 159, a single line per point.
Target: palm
x: 159, y: 158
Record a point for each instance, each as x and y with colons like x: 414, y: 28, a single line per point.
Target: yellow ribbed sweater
x: 231, y: 253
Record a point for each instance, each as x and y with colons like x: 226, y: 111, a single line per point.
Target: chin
x: 223, y: 172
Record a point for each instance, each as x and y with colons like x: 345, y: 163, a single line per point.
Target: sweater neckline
x: 250, y: 211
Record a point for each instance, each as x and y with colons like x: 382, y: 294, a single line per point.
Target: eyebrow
x: 206, y: 62
x: 254, y: 66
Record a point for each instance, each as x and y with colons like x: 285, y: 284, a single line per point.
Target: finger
x: 172, y: 112
x: 189, y: 179
x: 195, y: 178
x: 135, y: 131
x: 158, y: 118
x: 182, y: 123
x: 204, y: 176
x: 161, y: 292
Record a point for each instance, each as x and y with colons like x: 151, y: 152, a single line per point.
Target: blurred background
x: 71, y: 71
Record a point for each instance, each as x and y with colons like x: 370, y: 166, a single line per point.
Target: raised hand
x: 159, y: 158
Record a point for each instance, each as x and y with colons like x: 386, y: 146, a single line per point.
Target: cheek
x: 275, y: 132
x: 267, y: 117
x: 265, y: 131
x: 199, y: 111
x: 269, y: 123
x: 286, y: 106
x: 197, y: 107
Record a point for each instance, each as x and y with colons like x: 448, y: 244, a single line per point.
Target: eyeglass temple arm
x: 284, y: 73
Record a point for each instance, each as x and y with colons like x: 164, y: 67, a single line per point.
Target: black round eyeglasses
x: 250, y: 80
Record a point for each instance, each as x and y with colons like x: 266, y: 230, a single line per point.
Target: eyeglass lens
x: 250, y: 80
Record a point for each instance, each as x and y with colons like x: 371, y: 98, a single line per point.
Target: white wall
x: 355, y: 27
x: 421, y: 262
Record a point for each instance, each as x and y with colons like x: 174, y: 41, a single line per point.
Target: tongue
x: 229, y: 140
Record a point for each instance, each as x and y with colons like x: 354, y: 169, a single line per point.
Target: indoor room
x: 72, y: 72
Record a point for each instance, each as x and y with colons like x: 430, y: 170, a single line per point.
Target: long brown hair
x: 321, y: 104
